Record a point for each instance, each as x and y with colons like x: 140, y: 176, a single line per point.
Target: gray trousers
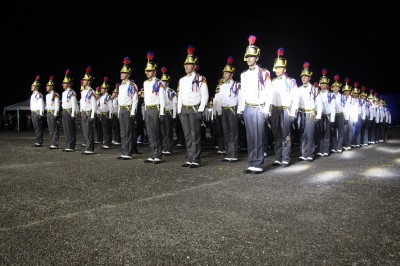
x: 324, y: 134
x: 69, y: 130
x: 116, y: 131
x: 88, y: 131
x: 106, y: 129
x: 230, y: 127
x: 306, y: 133
x: 192, y: 131
x: 255, y: 129
x: 126, y: 128
x: 347, y: 134
x: 53, y: 128
x: 280, y: 124
x: 153, y: 129
x: 337, y: 132
x: 38, y: 127
x: 167, y: 132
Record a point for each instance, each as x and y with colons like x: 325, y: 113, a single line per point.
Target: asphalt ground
x: 61, y: 208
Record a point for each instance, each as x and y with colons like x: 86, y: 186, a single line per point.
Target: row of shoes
x: 308, y: 159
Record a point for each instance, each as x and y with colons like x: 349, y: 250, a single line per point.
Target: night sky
x: 45, y: 39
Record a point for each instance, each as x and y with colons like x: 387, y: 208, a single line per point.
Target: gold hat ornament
x: 116, y: 89
x: 381, y: 100
x: 151, y: 65
x: 252, y: 50
x: 98, y: 90
x: 346, y: 87
x: 36, y: 82
x: 165, y: 76
x: 280, y: 61
x: 88, y: 76
x: 229, y: 68
x: 336, y: 82
x: 51, y: 81
x: 126, y: 68
x: 363, y: 92
x: 105, y: 85
x: 191, y: 58
x: 306, y: 70
x: 355, y: 89
x: 67, y: 79
x: 324, y: 79
x: 371, y: 95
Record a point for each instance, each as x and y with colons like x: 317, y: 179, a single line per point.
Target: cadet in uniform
x: 228, y: 98
x: 340, y: 113
x: 347, y: 129
x: 171, y: 102
x: 253, y: 106
x: 154, y: 100
x: 88, y: 107
x: 69, y: 105
x: 97, y: 118
x: 127, y: 105
x: 366, y: 121
x: 105, y: 109
x: 356, y: 117
x: 372, y: 116
x: 285, y: 100
x: 192, y: 100
x: 116, y: 133
x: 37, y: 111
x: 52, y: 108
x: 306, y: 114
x: 327, y: 100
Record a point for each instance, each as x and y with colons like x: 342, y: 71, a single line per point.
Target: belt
x: 306, y: 110
x: 50, y: 111
x: 128, y: 107
x: 280, y: 107
x: 69, y: 110
x: 104, y: 113
x: 255, y: 105
x: 35, y: 111
x: 190, y: 106
x: 87, y: 112
x: 339, y: 113
x: 152, y: 106
x: 228, y: 107
x: 168, y: 112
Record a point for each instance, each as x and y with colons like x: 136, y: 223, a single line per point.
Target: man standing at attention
x: 37, y: 111
x: 52, y: 109
x: 127, y: 104
x: 285, y: 100
x: 192, y: 100
x: 253, y: 106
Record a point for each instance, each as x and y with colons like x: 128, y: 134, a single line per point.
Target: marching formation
x: 322, y: 117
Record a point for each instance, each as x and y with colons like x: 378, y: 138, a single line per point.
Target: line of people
x: 258, y: 108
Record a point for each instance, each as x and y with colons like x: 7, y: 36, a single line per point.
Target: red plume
x: 230, y: 60
x: 105, y: 79
x: 190, y: 49
x: 163, y: 69
x: 371, y: 91
x: 363, y: 88
x: 98, y: 88
x: 52, y: 77
x: 324, y: 71
x: 315, y: 84
x: 356, y: 84
x: 116, y: 84
x: 150, y: 55
x: 252, y: 39
x: 336, y: 77
x: 67, y: 72
x: 346, y: 80
x: 127, y: 60
x: 88, y: 69
x: 306, y: 65
x: 375, y: 94
x: 37, y: 78
x: 196, y: 68
x: 280, y: 51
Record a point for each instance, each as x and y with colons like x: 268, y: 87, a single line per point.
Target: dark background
x: 46, y: 38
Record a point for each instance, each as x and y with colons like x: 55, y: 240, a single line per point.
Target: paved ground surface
x: 62, y: 208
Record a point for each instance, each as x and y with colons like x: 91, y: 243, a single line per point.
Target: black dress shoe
x: 186, y: 164
x: 120, y: 157
x: 247, y: 171
x: 257, y: 172
x: 148, y: 161
x: 194, y: 165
